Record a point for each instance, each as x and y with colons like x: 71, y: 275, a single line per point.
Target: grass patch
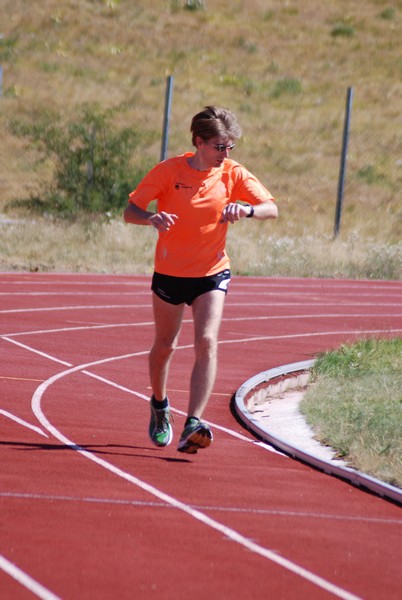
x: 7, y: 47
x: 107, y: 245
x: 343, y: 30
x: 355, y: 405
x: 87, y: 245
x: 388, y: 13
x: 287, y: 85
x: 266, y: 250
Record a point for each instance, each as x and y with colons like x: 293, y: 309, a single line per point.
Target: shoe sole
x: 197, y: 440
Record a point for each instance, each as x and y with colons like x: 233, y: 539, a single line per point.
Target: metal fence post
x: 342, y: 170
x: 166, y: 118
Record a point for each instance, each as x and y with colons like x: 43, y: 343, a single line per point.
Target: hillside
x: 283, y: 66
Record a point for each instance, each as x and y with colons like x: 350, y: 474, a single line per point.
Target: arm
x: 234, y: 211
x: 247, y: 188
x: 137, y: 216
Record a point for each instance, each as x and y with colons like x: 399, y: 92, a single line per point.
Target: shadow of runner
x: 106, y: 449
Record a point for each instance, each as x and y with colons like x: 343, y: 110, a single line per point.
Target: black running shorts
x: 177, y: 290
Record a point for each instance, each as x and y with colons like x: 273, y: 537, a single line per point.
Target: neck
x: 196, y: 163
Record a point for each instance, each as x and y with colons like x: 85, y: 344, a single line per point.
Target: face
x: 214, y: 151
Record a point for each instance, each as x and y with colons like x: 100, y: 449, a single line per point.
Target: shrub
x: 286, y: 85
x: 370, y: 175
x: 388, y: 14
x: 194, y: 4
x: 92, y: 162
x: 343, y: 30
x: 7, y: 47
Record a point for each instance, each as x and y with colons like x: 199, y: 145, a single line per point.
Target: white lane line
x: 308, y: 285
x: 311, y: 293
x: 122, y: 388
x: 26, y: 580
x: 313, y: 316
x: 70, y: 294
x: 234, y: 293
x: 224, y: 320
x: 232, y: 304
x: 80, y: 328
x: 313, y: 304
x: 263, y: 445
x: 312, y: 284
x: 132, y: 282
x: 313, y: 334
x: 182, y: 413
x: 8, y: 378
x: 61, y: 308
x: 44, y: 354
x: 9, y: 415
x: 222, y: 509
x: 174, y: 502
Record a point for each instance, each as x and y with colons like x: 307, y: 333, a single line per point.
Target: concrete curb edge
x: 357, y: 478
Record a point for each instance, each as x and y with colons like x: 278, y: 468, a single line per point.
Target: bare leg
x: 168, y: 318
x: 207, y: 315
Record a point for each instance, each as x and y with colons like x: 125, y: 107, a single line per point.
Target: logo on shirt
x: 182, y: 186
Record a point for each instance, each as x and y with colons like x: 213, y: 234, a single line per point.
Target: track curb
x: 355, y: 477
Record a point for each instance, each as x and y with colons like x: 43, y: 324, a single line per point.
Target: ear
x: 198, y: 141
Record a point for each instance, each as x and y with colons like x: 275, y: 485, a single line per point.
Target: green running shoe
x: 160, y: 430
x: 196, y: 435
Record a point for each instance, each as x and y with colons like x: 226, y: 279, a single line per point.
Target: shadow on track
x: 106, y: 449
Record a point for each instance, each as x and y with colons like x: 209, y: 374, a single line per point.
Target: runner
x: 198, y: 195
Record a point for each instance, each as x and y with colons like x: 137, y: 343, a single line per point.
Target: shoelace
x: 163, y: 417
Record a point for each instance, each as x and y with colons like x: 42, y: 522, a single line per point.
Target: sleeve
x: 248, y: 188
x: 152, y: 187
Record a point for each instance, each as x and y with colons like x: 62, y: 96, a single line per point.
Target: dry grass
x: 44, y: 245
x: 255, y: 249
x: 277, y: 64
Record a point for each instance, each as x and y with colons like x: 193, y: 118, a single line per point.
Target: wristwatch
x: 251, y: 213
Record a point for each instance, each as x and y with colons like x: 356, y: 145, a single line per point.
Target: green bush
x: 388, y: 14
x: 194, y: 4
x: 91, y: 158
x: 370, y: 175
x: 7, y: 47
x: 343, y: 30
x: 286, y: 85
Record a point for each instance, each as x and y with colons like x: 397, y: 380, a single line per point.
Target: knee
x: 163, y: 348
x: 206, y: 346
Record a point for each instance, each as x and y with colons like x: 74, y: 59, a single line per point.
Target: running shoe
x: 160, y: 430
x: 196, y: 435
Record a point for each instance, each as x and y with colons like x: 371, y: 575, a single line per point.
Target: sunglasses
x: 222, y: 147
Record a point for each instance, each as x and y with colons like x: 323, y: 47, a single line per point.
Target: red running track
x: 90, y: 509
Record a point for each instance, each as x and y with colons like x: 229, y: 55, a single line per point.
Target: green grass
x: 354, y: 405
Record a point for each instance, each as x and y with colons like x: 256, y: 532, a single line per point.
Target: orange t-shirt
x: 195, y: 245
